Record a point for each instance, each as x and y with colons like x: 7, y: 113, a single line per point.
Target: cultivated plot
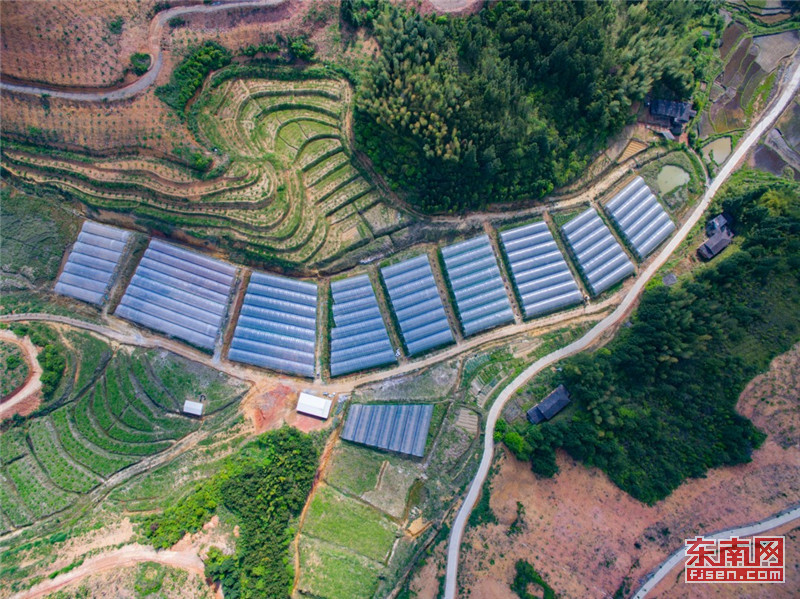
x: 640, y: 218
x: 481, y: 297
x: 91, y: 264
x: 180, y: 293
x: 359, y: 339
x: 417, y: 304
x: 540, y: 273
x: 277, y: 326
x: 599, y: 255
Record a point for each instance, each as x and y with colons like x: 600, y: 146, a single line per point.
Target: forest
x: 265, y: 486
x: 457, y: 113
x: 657, y: 405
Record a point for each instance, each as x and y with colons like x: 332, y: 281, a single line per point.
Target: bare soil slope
x: 585, y: 536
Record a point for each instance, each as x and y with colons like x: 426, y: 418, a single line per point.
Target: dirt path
x: 608, y: 324
x: 154, y: 49
x: 119, y: 558
x: 32, y: 386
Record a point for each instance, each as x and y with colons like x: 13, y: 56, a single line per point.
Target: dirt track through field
x: 33, y: 384
x: 154, y: 49
x: 126, y: 556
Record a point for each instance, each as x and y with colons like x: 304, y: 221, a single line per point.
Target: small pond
x: 720, y: 148
x: 671, y: 177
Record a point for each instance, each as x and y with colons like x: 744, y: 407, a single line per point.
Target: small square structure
x: 312, y: 405
x: 193, y: 408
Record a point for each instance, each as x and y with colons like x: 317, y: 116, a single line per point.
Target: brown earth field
x: 69, y: 43
x: 143, y: 124
x: 586, y: 537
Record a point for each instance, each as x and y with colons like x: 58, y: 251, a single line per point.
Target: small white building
x: 313, y: 405
x: 193, y: 408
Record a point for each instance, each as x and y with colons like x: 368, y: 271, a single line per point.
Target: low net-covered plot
x: 640, y: 218
x: 417, y: 304
x: 538, y: 269
x: 277, y: 326
x: 481, y: 297
x: 395, y: 427
x: 180, y: 293
x: 600, y: 256
x: 359, y: 339
x: 91, y: 264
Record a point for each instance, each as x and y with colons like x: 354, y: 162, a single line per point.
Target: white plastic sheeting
x: 92, y: 262
x: 180, y: 293
x: 481, y: 298
x: 540, y: 273
x: 600, y: 256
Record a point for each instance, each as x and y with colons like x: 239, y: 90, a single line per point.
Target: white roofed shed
x: 313, y: 405
x: 194, y: 408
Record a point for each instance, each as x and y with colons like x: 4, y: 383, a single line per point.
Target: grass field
x: 348, y: 523
x: 328, y: 571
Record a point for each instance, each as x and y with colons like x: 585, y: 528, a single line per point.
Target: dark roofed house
x: 549, y: 406
x: 718, y: 223
x: 715, y: 244
x: 679, y: 113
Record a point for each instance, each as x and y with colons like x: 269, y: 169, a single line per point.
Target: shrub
x: 140, y: 62
x: 190, y: 73
x: 115, y: 25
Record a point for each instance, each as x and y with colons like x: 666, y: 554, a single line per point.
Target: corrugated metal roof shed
x: 640, y: 218
x: 277, y: 326
x: 359, y: 339
x: 92, y: 261
x: 417, y: 304
x: 178, y: 292
x: 396, y: 427
x: 549, y: 406
x: 195, y: 408
x: 538, y: 269
x: 599, y: 255
x: 481, y: 298
x: 313, y: 405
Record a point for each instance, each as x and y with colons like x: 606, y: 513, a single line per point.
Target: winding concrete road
x: 156, y: 56
x: 790, y: 87
x: 743, y: 531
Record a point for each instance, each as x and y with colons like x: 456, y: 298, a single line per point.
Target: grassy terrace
x: 113, y: 411
x: 281, y: 188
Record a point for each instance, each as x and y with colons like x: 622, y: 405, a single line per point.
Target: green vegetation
x: 104, y: 416
x: 657, y: 404
x: 525, y: 576
x: 264, y: 486
x: 13, y: 368
x: 515, y: 100
x: 189, y: 74
x: 140, y: 62
x: 329, y: 571
x: 36, y: 233
x: 348, y: 523
x: 115, y: 25
x: 51, y: 357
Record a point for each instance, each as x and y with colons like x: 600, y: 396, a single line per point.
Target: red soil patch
x: 276, y: 406
x: 585, y: 535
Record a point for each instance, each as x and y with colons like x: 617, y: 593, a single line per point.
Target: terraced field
x: 116, y: 413
x: 282, y: 186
